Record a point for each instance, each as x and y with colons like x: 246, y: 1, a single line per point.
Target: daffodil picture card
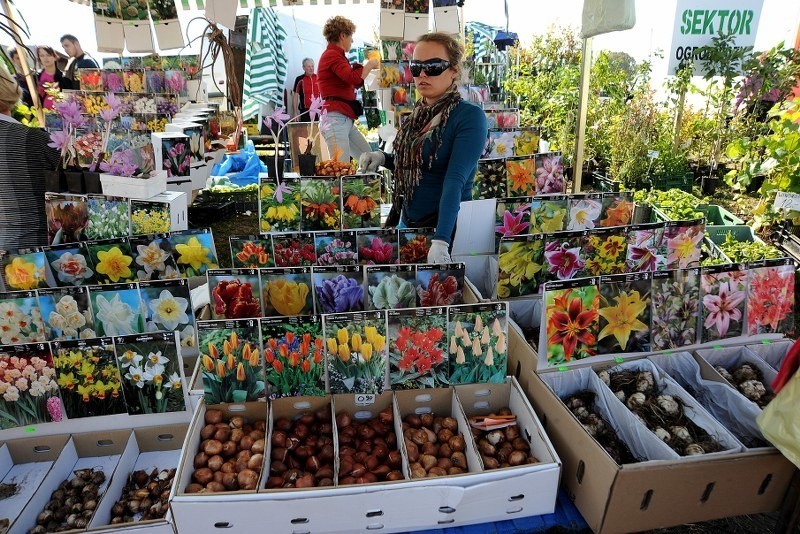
x: 477, y: 342
x: 30, y: 390
x: 770, y: 297
x: 617, y: 209
x: 675, y: 308
x: 624, y: 313
x: 294, y: 250
x: 70, y: 264
x: 235, y: 293
x: 361, y: 201
x: 336, y: 248
x: 109, y: 217
x: 294, y: 355
x: 320, y: 199
x: 117, y: 309
x: 153, y: 257
x: 723, y: 294
x: 390, y: 286
x: 286, y: 291
x: 149, y: 217
x: 570, y: 321
x: 520, y: 176
x: 440, y: 284
x: 167, y: 306
x: 414, y: 244
x: 20, y: 318
x: 645, y: 252
x: 512, y: 217
x: 151, y: 373
x: 520, y: 266
x: 230, y: 361
x: 682, y: 241
x: 564, y: 255
x: 66, y: 313
x: 279, y: 208
x: 584, y: 211
x: 548, y: 214
x: 377, y: 247
x: 490, y: 179
x: 550, y: 174
x: 251, y: 251
x: 194, y: 251
x: 26, y: 269
x: 112, y: 260
x: 67, y: 217
x: 356, y: 352
x: 418, y: 348
x: 605, y: 251
x: 338, y: 289
x: 88, y: 377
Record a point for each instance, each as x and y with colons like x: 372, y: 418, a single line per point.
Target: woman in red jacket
x: 337, y: 80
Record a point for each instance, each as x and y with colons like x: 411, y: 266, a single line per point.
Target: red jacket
x: 337, y: 77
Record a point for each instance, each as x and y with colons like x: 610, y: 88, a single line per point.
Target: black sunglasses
x: 432, y: 67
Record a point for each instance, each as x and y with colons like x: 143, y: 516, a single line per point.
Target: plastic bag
x: 241, y: 168
x: 603, y: 16
x: 780, y: 420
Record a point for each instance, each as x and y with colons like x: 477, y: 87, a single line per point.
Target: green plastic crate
x: 717, y: 234
x: 664, y: 183
x: 719, y: 216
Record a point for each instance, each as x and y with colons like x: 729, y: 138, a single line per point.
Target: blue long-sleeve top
x: 448, y: 182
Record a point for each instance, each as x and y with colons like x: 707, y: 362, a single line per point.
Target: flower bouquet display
x: 109, y: 217
x: 512, y: 217
x: 88, y: 377
x: 338, y: 289
x: 28, y: 388
x: 320, y: 199
x: 194, y: 251
x: 548, y: 214
x: 584, y: 211
x: 167, y: 306
x: 520, y: 176
x: 26, y: 269
x: 112, y: 261
x: 520, y: 266
x: 723, y: 301
x: 391, y: 286
x: 571, y: 320
x: 117, y: 309
x: 149, y: 217
x: 477, y: 342
x: 67, y: 217
x: 675, y: 308
x: 279, y: 207
x: 151, y: 373
x: 230, y: 353
x: 361, y: 201
x: 617, y: 209
x: 153, y: 257
x: 563, y: 253
x: 66, y: 313
x: 251, y: 251
x: 294, y: 250
x: 683, y: 240
x: 624, y: 314
x: 356, y: 352
x: 20, y: 318
x: 336, y: 248
x: 770, y: 297
x: 294, y: 355
x: 490, y: 179
x: 235, y: 293
x: 287, y: 291
x: 377, y: 247
x: 418, y: 348
x: 414, y: 244
x: 440, y: 285
x: 605, y: 251
x: 645, y: 249
x: 550, y: 174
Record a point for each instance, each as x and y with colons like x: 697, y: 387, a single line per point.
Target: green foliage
x: 745, y: 251
x: 25, y: 115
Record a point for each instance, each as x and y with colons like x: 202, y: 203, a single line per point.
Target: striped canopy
x: 201, y: 4
x: 482, y: 36
x: 265, y: 61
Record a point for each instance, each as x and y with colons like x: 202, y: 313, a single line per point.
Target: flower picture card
x: 520, y: 266
x: 109, y: 217
x: 88, y: 377
x: 356, y: 352
x: 20, y: 318
x: 605, y: 251
x: 500, y: 143
x: 520, y: 176
x: 26, y: 269
x: 571, y: 320
x: 28, y: 382
x: 117, y: 309
x: 564, y: 255
x: 418, y: 348
x: 279, y: 208
x: 235, y: 293
x: 66, y: 313
x: 167, y: 306
x: 548, y: 214
x: 645, y: 252
x: 294, y: 250
x: 414, y: 244
x: 490, y: 179
x: 361, y: 201
x: 294, y: 355
x: 321, y: 203
x: 502, y: 118
x: 722, y: 290
x: 230, y: 360
x: 390, y: 286
x: 153, y: 257
x: 617, y: 209
x: 527, y: 142
x: 624, y: 313
x: 477, y: 342
x: 512, y: 217
x: 67, y: 217
x: 149, y: 217
x: 336, y: 248
x: 194, y: 251
x: 287, y: 291
x: 338, y: 289
x: 682, y: 240
x: 251, y: 251
x: 550, y: 174
x: 584, y: 211
x: 770, y: 297
x: 70, y: 264
x: 112, y: 260
x: 377, y: 247
x: 675, y: 308
x: 440, y: 284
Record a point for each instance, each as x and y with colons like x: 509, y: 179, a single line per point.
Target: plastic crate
x: 717, y: 234
x: 664, y: 183
x: 719, y: 216
x: 206, y: 213
x: 604, y: 183
x: 714, y: 251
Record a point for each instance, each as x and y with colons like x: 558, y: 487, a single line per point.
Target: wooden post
x: 583, y: 104
x: 23, y: 59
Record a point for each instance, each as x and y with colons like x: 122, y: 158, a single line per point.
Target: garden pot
x: 91, y: 182
x: 709, y: 184
x: 75, y: 181
x: 307, y: 164
x: 641, y: 213
x: 274, y: 167
x: 55, y: 181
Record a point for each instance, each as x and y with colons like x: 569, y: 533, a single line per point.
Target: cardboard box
x: 164, y: 147
x: 132, y: 187
x: 772, y: 352
x: 178, y: 208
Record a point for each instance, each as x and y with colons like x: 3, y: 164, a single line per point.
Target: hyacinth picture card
x: 571, y: 321
x: 287, y: 291
x: 67, y: 313
x: 440, y: 284
x: 338, y: 289
x: 294, y: 355
x: 390, y: 286
x: 418, y: 348
x: 117, y: 309
x: 723, y: 293
x: 770, y: 297
x: 675, y: 308
x: 167, y: 306
x: 30, y: 386
x: 20, y: 318
x: 251, y: 251
x: 414, y: 244
x: 153, y: 257
x: 477, y: 342
x: 624, y: 314
x: 235, y: 293
x: 230, y: 360
x: 356, y: 352
x: 520, y: 266
x: 336, y: 248
x: 70, y: 264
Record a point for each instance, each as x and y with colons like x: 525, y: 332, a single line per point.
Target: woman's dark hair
x: 49, y: 49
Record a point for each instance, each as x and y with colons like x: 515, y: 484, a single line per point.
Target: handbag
x: 355, y: 105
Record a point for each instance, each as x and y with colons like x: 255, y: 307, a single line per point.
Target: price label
x: 362, y: 399
x: 786, y: 201
x: 652, y: 154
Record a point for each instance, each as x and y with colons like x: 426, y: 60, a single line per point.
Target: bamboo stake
x: 23, y: 59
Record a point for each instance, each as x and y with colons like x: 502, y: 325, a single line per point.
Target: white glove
x: 439, y: 253
x: 370, y: 161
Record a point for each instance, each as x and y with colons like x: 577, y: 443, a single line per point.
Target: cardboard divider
x: 730, y: 357
x: 772, y: 352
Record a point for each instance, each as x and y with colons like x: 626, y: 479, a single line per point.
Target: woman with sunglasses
x: 437, y: 148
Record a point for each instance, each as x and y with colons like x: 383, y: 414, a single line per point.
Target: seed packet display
x: 26, y: 269
x: 520, y: 266
x: 294, y: 355
x: 571, y: 320
x: 722, y: 290
x: 320, y: 199
x: 153, y: 257
x: 230, y: 354
x: 117, y: 309
x: 167, y: 306
x: 490, y: 179
x: 414, y: 244
x: 356, y: 352
x: 235, y: 293
x: 675, y: 308
x: 66, y: 313
x: 150, y: 370
x: 418, y: 348
x: 520, y: 176
x: 149, y: 217
x: 20, y: 318
x: 605, y: 251
x: 584, y: 211
x: 195, y: 252
x: 645, y: 252
x: 512, y: 217
x: 251, y: 251
x: 624, y: 313
x: 67, y: 218
x: 390, y: 286
x: 88, y: 376
x: 279, y: 208
x: 294, y: 250
x: 550, y: 174
x: 361, y: 201
x: 109, y: 217
x: 770, y: 297
x: 563, y: 254
x: 112, y: 260
x: 30, y: 386
x: 440, y: 284
x: 617, y: 209
x: 377, y: 247
x: 548, y: 214
x: 338, y: 289
x: 335, y: 248
x: 287, y: 291
x: 477, y: 342
x: 682, y: 240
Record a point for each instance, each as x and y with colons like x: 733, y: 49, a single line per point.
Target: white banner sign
x: 697, y: 21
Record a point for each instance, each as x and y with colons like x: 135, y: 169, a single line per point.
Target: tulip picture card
x: 167, y: 306
x: 723, y: 292
x: 356, y: 352
x: 66, y: 313
x: 477, y: 342
x: 20, y: 318
x: 235, y: 293
x: 418, y: 356
x: 109, y: 217
x: 30, y: 387
x: 571, y: 321
x: 287, y: 291
x: 336, y: 248
x: 294, y: 358
x: 279, y: 207
x: 294, y: 250
x: 624, y: 313
x: 440, y: 284
x: 338, y: 289
x: 230, y: 360
x: 377, y: 247
x: 390, y: 286
x: 770, y: 297
x: 414, y: 244
x: 70, y: 264
x: 153, y: 257
x: 112, y: 260
x: 194, y: 251
x: 251, y: 251
x: 675, y: 308
x: 520, y: 266
x: 117, y: 309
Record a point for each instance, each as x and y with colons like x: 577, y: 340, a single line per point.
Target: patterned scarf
x: 425, y: 122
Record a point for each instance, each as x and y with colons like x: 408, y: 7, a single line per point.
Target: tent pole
x: 23, y: 59
x: 583, y: 104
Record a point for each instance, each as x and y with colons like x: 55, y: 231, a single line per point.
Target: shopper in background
x: 437, y: 148
x: 306, y: 89
x: 78, y: 58
x: 24, y: 160
x: 50, y: 76
x: 338, y: 80
x: 26, y: 94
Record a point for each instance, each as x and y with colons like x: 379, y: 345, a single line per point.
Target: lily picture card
x: 377, y: 247
x: 624, y: 313
x: 520, y: 266
x: 279, y: 208
x: 390, y: 286
x: 414, y: 244
x: 361, y: 201
x: 675, y: 308
x: 645, y: 251
x: 251, y: 251
x: 605, y: 251
x: 723, y: 292
x: 67, y: 217
x: 512, y: 217
x: 153, y: 257
x: 338, y: 289
x: 294, y: 250
x: 440, y: 284
x: 88, y: 377
x: 550, y: 174
x: 66, y: 313
x: 287, y: 291
x: 336, y: 248
x: 490, y: 179
x: 20, y: 318
x: 477, y: 342
x: 294, y: 355
x: 571, y: 320
x: 356, y: 352
x: 26, y: 269
x: 112, y: 260
x: 117, y: 309
x: 564, y: 255
x: 584, y: 211
x: 194, y: 251
x: 109, y: 217
x: 520, y: 176
x: 683, y: 240
x: 548, y: 214
x: 617, y: 209
x: 418, y: 348
x: 70, y: 264
x: 321, y: 203
x: 770, y: 297
x: 30, y: 387
x: 235, y: 293
x: 167, y: 306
